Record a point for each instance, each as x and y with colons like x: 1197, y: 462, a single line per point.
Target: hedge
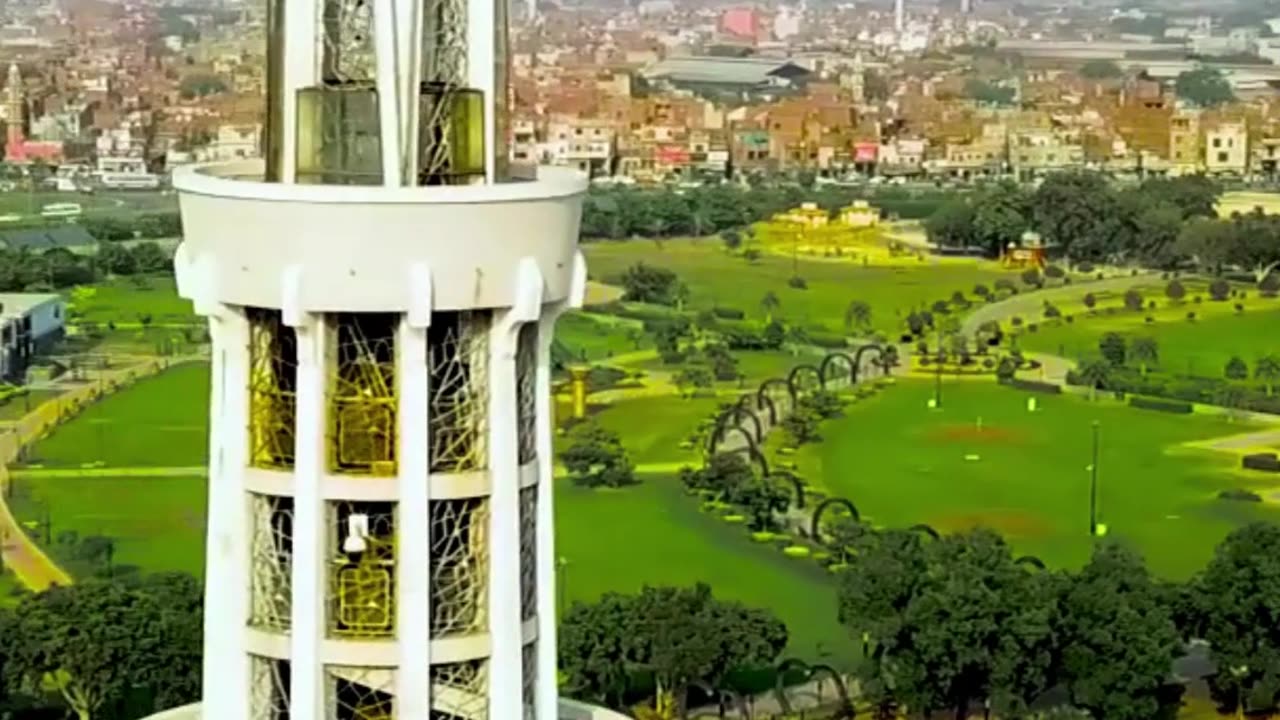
x: 1178, y: 407
x: 1033, y: 386
x: 1266, y: 462
x: 1192, y: 389
x: 827, y: 341
x: 728, y: 313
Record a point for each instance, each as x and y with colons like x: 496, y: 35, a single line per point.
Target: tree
x: 987, y: 93
x: 775, y: 334
x: 1132, y: 300
x: 1094, y: 375
x: 1236, y: 369
x: 1090, y: 301
x: 693, y: 378
x: 95, y: 642
x: 1001, y: 215
x: 857, y: 315
x: 648, y: 284
x: 1175, y: 291
x: 1219, y: 290
x: 723, y: 364
x: 1205, y: 87
x: 954, y: 621
x: 1071, y: 209
x: 1144, y: 351
x: 1100, y: 70
x: 732, y: 238
x: 725, y: 474
x: 952, y: 224
x: 1267, y: 369
x: 1116, y: 638
x: 770, y: 305
x: 197, y: 86
x: 676, y: 636
x: 1112, y: 347
x: 595, y: 457
x: 1238, y: 602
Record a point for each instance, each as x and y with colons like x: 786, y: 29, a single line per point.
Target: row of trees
x: 109, y: 228
x: 617, y: 213
x: 24, y: 270
x: 1087, y: 218
x: 959, y: 622
x: 102, y: 649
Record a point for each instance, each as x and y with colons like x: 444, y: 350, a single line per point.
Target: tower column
x: 545, y: 696
x: 307, y: 696
x: 227, y: 544
x: 506, y: 653
x: 413, y: 543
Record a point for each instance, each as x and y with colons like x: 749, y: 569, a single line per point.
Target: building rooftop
x: 721, y: 70
x: 18, y: 304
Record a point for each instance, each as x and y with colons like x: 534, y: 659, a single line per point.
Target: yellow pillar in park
x: 578, y: 387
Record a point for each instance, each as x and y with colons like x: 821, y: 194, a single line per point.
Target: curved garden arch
x: 734, y: 415
x: 721, y: 433
x: 1031, y: 561
x: 796, y: 377
x: 924, y: 529
x: 810, y: 672
x: 862, y: 351
x: 773, y: 389
x: 829, y: 364
x: 815, y: 528
x: 797, y: 485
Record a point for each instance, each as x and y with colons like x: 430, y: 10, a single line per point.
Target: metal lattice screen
x: 360, y: 693
x: 362, y: 393
x: 271, y: 562
x: 268, y: 689
x: 528, y: 552
x: 457, y: 365
x: 273, y: 398
x: 459, y: 566
x: 460, y: 691
x: 527, y: 391
x: 529, y: 676
x: 362, y: 569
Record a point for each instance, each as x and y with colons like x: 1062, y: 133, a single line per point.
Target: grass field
x: 161, y: 422
x: 123, y: 300
x: 903, y: 464
x: 613, y: 540
x: 1202, y: 347
x: 598, y: 337
x: 1244, y: 201
x: 716, y: 278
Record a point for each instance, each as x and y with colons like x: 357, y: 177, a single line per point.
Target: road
x: 1030, y: 305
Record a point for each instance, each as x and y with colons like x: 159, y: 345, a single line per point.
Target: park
x: 976, y: 411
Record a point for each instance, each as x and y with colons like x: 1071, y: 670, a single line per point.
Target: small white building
x: 1226, y: 149
x: 30, y: 323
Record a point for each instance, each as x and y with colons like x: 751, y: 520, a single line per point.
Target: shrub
x: 728, y: 313
x: 1239, y: 307
x: 1178, y: 407
x: 940, y: 307
x: 1032, y: 327
x: 1090, y: 300
x: 1266, y: 462
x: 1175, y: 291
x: 828, y: 341
x: 1100, y: 276
x: 796, y: 551
x: 1084, y: 267
x: 1240, y: 495
x: 1016, y: 321
x: 981, y: 291
x: 1219, y: 289
x: 1151, y: 305
x: 1035, y: 386
x: 1150, y: 319
x: 1055, y: 272
x: 1269, y: 285
x: 1005, y: 284
x: 1051, y: 311
x: 1066, y: 281
x: 1031, y: 278
x: 1133, y: 299
x: 1069, y: 318
x: 1191, y: 316
x: 798, y: 283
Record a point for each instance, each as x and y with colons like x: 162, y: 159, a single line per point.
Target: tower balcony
x: 355, y: 248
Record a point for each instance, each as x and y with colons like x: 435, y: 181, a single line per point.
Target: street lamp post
x: 1093, y: 485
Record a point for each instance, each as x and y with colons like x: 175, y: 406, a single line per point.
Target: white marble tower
x: 381, y: 290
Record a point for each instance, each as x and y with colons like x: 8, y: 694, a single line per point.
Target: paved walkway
x: 39, y: 473
x: 1030, y: 305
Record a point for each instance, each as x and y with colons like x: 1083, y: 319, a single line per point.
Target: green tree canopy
x: 595, y: 457
x: 1205, y: 87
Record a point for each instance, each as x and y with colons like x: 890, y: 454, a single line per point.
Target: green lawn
x: 1202, y: 347
x: 157, y: 523
x: 902, y: 464
x: 123, y: 300
x: 716, y: 278
x: 613, y: 540
x: 19, y: 405
x: 159, y: 423
x: 598, y: 337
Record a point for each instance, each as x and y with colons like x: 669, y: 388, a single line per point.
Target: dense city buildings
x: 120, y: 93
